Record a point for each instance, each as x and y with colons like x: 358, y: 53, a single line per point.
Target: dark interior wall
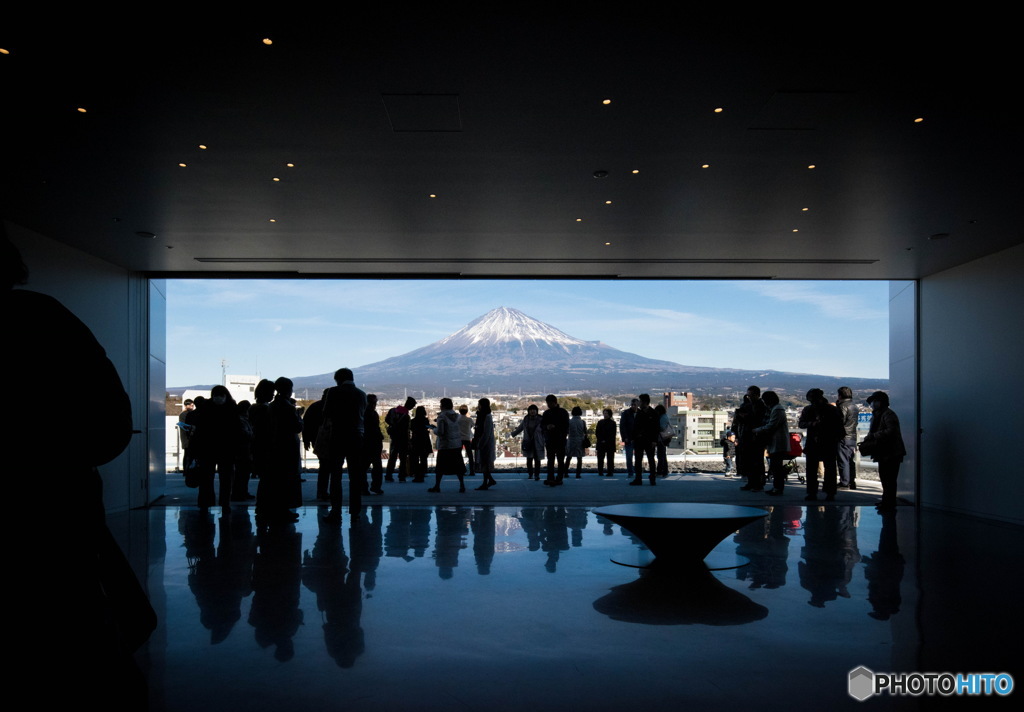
x: 971, y: 413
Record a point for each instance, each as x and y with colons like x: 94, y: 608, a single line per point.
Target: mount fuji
x: 506, y: 350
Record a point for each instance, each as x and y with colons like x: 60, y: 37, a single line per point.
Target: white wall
x: 972, y: 400
x: 113, y: 303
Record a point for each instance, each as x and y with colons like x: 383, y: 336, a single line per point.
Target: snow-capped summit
x: 502, y: 325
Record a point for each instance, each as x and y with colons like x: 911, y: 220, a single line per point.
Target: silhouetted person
x: 280, y: 487
x: 483, y: 539
x: 216, y: 441
x: 627, y: 419
x: 749, y: 447
x: 420, y: 447
x: 373, y: 444
x: 605, y: 436
x: 533, y: 441
x: 397, y: 421
x: 344, y: 407
x: 94, y: 612
x: 884, y: 571
x: 259, y: 420
x: 243, y: 457
x: 312, y: 420
x: 646, y: 431
x: 824, y: 426
x: 449, y: 447
x: 884, y: 445
x: 483, y: 442
x: 466, y: 428
x: 846, y: 460
x: 775, y: 436
x: 555, y: 423
x: 574, y: 446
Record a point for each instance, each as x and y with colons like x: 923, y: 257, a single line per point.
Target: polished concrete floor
x: 502, y: 607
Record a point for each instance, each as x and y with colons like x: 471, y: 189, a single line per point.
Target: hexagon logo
x: 861, y: 683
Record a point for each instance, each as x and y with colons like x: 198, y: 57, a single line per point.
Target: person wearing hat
x: 884, y: 445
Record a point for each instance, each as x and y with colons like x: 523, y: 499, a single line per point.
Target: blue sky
x: 306, y: 327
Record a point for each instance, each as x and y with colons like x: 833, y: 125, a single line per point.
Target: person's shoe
x: 653, y: 480
x: 853, y: 485
x: 434, y: 489
x: 578, y: 476
x: 842, y: 486
x: 483, y: 487
x: 635, y: 483
x: 462, y: 489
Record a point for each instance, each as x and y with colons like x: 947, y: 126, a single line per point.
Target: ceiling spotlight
x: 579, y: 219
x: 718, y: 110
x: 607, y: 101
x: 804, y: 209
x: 795, y: 230
x: 918, y: 120
x: 706, y: 165
x: 607, y: 243
x: 600, y: 174
x: 276, y: 180
x: 607, y: 202
x: 273, y: 220
x: 81, y: 110
x: 268, y: 41
x: 290, y: 165
x: 635, y: 171
x: 4, y: 51
x: 182, y: 164
x: 433, y: 195
x: 811, y: 167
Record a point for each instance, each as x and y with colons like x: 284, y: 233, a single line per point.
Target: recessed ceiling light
x: 811, y: 167
x: 182, y: 164
x: 433, y: 195
x: 706, y: 165
x: 268, y: 41
x: 607, y: 243
x: 607, y: 202
x: 202, y: 146
x: 804, y: 209
x: 579, y: 219
x: 290, y: 165
x: 795, y: 230
x: 81, y: 110
x: 918, y: 120
x: 718, y: 110
x: 273, y: 220
x: 276, y: 180
x: 635, y: 171
x: 607, y: 101
x: 4, y: 51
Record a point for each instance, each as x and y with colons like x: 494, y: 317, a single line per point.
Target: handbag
x: 586, y: 441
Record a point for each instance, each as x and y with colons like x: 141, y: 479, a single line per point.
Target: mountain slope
x: 506, y: 350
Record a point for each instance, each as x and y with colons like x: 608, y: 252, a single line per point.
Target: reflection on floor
x: 504, y: 608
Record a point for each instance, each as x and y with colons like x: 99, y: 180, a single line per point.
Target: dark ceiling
x: 502, y: 120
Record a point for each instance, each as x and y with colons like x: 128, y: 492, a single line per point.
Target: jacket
x: 775, y: 431
x: 848, y: 410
